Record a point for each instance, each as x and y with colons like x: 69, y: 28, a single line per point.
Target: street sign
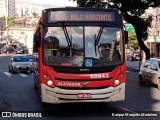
x: 157, y: 38
x: 151, y: 39
x: 129, y: 27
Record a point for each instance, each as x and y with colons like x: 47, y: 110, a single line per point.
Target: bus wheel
x: 35, y: 84
x: 141, y: 82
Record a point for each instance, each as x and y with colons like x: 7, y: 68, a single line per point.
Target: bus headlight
x: 48, y: 80
x: 116, y: 82
x: 50, y: 83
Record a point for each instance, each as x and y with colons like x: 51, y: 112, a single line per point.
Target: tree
x: 10, y: 21
x: 35, y: 15
x: 132, y: 40
x: 132, y: 10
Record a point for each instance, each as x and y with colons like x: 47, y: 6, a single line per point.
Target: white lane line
x: 128, y: 71
x: 3, y: 70
x: 8, y: 74
x: 23, y: 75
x: 127, y: 109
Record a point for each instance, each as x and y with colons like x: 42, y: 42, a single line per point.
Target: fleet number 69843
x: 95, y: 76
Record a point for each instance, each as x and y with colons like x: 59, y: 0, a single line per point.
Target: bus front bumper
x: 57, y: 95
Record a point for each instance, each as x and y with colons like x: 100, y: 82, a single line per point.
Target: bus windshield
x: 82, y: 46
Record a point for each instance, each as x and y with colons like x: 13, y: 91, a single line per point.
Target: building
x: 7, y: 8
x: 25, y: 8
x: 153, y: 41
x: 23, y: 35
x: 3, y: 8
x: 11, y: 8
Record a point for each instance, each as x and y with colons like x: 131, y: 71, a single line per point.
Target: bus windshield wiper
x: 96, y: 39
x: 98, y: 36
x: 69, y: 41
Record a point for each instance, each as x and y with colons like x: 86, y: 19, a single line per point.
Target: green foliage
x: 132, y: 40
x: 10, y: 21
x: 35, y: 15
x: 81, y: 3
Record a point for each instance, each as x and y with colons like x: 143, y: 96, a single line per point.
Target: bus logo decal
x: 88, y: 63
x: 84, y: 84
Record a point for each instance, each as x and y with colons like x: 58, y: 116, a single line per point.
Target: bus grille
x: 85, y: 88
x: 62, y: 79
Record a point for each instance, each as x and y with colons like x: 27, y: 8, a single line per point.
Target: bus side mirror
x: 126, y: 37
x: 39, y: 40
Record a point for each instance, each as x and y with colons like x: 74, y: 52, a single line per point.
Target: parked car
x: 19, y: 63
x: 134, y: 55
x: 7, y: 49
x: 150, y: 72
x: 30, y: 57
x: 21, y: 50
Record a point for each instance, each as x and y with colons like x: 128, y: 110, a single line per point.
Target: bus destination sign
x: 83, y: 16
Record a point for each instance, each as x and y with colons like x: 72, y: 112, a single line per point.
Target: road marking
x: 3, y: 70
x: 23, y: 75
x: 8, y: 74
x: 127, y: 109
x: 128, y: 71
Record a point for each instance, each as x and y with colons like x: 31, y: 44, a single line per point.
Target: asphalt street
x: 17, y: 94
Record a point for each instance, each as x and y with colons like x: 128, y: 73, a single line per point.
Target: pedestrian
x: 152, y: 53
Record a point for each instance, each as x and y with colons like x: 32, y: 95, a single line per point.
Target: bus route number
x: 95, y: 76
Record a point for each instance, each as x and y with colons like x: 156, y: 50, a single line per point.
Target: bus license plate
x: 84, y: 95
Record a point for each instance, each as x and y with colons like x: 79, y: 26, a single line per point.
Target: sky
x: 39, y: 5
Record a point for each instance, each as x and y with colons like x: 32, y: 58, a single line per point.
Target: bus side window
x: 116, y: 55
x: 36, y: 40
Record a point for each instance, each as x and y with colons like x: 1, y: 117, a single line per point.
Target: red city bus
x: 81, y: 55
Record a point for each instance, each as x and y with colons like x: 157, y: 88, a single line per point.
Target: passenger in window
x: 104, y: 50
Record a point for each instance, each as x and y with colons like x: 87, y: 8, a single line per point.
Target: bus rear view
x: 80, y: 55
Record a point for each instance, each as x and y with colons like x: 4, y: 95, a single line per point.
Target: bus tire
x: 141, y: 81
x: 35, y: 85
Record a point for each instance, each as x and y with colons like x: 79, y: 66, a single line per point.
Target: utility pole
x: 6, y: 21
x: 1, y: 26
x: 2, y: 21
